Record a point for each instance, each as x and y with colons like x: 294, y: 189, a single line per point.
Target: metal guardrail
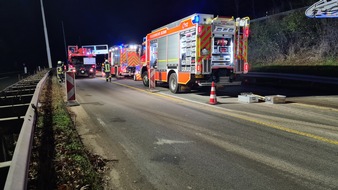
x: 18, y: 170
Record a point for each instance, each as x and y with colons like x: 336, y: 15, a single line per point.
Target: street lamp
x: 46, y: 36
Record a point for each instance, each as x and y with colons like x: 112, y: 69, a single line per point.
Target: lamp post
x: 64, y: 40
x: 46, y: 36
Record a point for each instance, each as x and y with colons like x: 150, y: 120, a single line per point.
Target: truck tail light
x: 199, y: 29
x: 246, y: 32
x: 246, y: 67
x: 199, y: 68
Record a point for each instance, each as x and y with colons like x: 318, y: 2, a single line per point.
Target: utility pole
x: 46, y: 36
x: 64, y: 39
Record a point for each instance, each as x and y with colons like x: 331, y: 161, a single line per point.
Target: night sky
x: 109, y: 22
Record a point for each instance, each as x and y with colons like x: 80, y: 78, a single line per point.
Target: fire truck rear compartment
x: 221, y: 76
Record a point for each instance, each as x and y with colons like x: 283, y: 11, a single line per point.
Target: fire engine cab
x: 196, y: 51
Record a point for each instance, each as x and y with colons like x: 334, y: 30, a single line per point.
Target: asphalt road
x: 182, y: 142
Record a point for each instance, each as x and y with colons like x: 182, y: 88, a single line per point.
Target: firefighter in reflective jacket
x: 60, y: 71
x: 107, y: 70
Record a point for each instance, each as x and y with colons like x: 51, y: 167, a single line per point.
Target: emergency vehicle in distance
x: 125, y: 60
x: 197, y: 50
x: 82, y: 60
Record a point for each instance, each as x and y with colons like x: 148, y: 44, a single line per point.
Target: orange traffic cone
x: 213, y: 99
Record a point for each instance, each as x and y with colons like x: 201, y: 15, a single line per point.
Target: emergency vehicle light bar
x: 196, y: 19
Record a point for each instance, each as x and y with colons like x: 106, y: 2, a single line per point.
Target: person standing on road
x: 107, y: 70
x: 60, y: 71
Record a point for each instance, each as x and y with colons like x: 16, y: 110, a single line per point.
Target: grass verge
x: 59, y: 159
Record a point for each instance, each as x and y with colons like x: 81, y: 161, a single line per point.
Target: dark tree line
x: 294, y: 39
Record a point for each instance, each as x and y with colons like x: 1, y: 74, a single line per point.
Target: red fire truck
x: 125, y: 60
x: 82, y: 60
x: 197, y: 50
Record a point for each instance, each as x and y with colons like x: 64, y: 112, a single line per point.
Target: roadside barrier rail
x: 18, y: 167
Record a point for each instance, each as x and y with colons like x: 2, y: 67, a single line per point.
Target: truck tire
x: 145, y: 78
x: 173, y: 85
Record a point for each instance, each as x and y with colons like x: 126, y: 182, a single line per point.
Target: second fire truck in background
x: 82, y: 60
x: 125, y: 60
x: 196, y: 51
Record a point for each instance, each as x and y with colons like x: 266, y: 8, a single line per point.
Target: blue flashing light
x: 196, y: 19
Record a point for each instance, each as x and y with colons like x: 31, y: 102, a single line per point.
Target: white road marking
x: 101, y: 122
x: 167, y: 141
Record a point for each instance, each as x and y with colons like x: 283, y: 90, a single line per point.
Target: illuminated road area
x: 166, y: 141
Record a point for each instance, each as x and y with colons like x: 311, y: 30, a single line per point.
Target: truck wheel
x: 173, y: 85
x: 145, y: 78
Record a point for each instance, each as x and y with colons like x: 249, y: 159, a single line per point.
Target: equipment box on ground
x: 275, y: 99
x: 248, y: 98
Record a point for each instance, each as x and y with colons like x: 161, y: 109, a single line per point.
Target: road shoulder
x: 120, y: 171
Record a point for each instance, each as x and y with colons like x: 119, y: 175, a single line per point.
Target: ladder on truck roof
x: 323, y: 9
